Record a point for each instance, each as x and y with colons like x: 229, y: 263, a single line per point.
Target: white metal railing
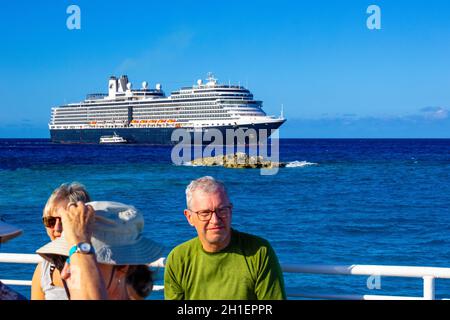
x: 428, y: 274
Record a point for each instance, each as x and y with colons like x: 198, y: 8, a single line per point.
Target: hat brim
x: 58, y: 246
x: 143, y: 251
x: 8, y: 232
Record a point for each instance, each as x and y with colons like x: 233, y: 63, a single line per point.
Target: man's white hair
x: 205, y: 184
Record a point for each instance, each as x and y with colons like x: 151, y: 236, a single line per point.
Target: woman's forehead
x: 57, y: 207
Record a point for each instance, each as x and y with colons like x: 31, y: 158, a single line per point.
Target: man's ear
x: 188, y: 215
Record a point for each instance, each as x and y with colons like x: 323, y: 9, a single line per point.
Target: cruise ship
x: 148, y: 116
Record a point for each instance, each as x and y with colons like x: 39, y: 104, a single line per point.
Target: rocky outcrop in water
x: 238, y: 160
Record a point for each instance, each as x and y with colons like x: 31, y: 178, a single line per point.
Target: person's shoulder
x: 184, y: 248
x: 250, y: 236
x: 251, y: 240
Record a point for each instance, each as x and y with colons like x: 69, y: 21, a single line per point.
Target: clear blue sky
x: 334, y: 76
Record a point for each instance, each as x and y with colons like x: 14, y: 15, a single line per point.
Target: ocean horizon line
x: 304, y: 138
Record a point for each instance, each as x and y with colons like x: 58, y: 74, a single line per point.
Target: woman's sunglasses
x: 50, y: 222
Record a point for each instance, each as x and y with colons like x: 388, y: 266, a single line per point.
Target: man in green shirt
x: 221, y: 263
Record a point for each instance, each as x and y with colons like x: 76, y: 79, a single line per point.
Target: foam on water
x: 299, y: 164
x: 189, y: 164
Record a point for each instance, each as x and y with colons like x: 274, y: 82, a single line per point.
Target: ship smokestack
x: 112, y: 87
x: 123, y: 81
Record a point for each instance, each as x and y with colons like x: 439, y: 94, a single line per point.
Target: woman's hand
x: 78, y: 221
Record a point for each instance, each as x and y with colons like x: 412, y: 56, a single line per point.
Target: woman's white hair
x: 205, y: 184
x: 72, y: 192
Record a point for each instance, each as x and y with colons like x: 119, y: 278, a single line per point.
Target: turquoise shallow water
x: 351, y: 202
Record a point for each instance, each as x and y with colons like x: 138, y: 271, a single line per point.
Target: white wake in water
x: 190, y: 164
x: 299, y: 164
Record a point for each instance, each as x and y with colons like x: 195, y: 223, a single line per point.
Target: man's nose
x: 214, y: 218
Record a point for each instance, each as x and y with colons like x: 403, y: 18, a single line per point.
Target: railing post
x: 428, y: 288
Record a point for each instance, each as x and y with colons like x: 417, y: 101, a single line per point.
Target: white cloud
x: 435, y: 113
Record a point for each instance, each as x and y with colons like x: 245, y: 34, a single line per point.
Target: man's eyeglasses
x: 50, y: 222
x: 222, y: 213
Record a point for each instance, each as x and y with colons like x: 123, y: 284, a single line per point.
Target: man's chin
x: 217, y: 237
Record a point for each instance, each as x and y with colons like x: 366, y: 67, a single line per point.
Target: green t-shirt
x: 247, y: 269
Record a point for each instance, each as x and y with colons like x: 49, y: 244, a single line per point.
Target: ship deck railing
x: 427, y: 274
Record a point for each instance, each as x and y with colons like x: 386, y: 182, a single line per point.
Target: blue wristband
x: 71, y: 252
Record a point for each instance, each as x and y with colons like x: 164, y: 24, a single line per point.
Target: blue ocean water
x: 351, y: 201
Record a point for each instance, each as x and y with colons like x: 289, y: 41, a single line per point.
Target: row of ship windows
x: 124, y: 123
x: 243, y: 109
x: 216, y: 87
x: 181, y: 116
x: 184, y: 116
x: 246, y: 109
x: 162, y: 112
x: 211, y: 95
x: 65, y: 112
x: 157, y: 103
x: 125, y: 109
x: 142, y: 116
x: 93, y: 116
x: 251, y: 114
x: 153, y: 110
x: 187, y: 107
x: 98, y: 121
x: 181, y: 111
x: 65, y: 121
x: 150, y: 108
x: 249, y: 103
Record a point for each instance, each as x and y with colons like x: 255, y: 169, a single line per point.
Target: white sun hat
x: 116, y: 237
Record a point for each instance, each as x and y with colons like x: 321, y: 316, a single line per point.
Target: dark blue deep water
x: 359, y: 201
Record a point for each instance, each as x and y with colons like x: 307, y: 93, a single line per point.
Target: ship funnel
x: 123, y: 81
x: 112, y: 86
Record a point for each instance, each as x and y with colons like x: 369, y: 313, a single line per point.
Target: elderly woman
x: 102, y: 241
x: 46, y: 282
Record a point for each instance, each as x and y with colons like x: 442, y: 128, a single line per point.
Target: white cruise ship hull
x: 150, y: 135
